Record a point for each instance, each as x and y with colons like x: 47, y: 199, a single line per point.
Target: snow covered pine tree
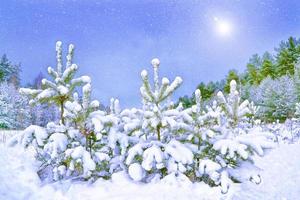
x: 61, y: 147
x: 231, y: 148
x: 63, y: 85
x: 157, y: 154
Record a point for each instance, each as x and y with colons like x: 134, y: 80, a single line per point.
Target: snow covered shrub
x: 59, y: 151
x: 290, y: 131
x: 94, y: 140
x: 111, y: 140
x: 92, y: 125
x: 158, y: 118
x: 78, y: 114
x: 156, y: 153
x: 233, y: 144
x: 287, y: 132
x: 74, y: 147
x: 14, y: 108
x: 32, y: 135
x: 222, y: 139
x: 253, y: 114
x: 202, y: 124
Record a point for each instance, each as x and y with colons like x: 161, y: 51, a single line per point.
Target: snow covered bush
x: 222, y: 139
x: 14, y: 108
x: 287, y: 132
x: 157, y: 153
x: 94, y: 140
x: 233, y: 144
x: 74, y: 147
x: 158, y: 118
x: 59, y: 150
x: 78, y: 114
x: 202, y: 123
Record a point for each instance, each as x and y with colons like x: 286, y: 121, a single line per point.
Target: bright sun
x: 223, y: 28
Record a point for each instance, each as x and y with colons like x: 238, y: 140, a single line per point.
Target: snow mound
x: 280, y: 176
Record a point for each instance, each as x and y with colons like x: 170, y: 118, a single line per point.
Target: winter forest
x: 236, y: 137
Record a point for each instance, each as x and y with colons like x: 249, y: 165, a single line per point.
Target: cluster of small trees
x: 271, y: 81
x: 9, y: 72
x: 9, y: 97
x: 159, y: 140
x: 15, y: 112
x: 14, y: 108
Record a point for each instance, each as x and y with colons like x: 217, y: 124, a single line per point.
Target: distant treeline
x: 15, y: 112
x: 270, y: 80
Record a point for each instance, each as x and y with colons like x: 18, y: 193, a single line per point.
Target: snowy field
x: 280, y: 172
x: 4, y: 135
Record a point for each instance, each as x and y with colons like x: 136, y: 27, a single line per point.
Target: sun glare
x: 223, y: 28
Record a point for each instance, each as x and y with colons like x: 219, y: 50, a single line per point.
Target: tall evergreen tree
x: 287, y: 56
x: 297, y: 81
x: 267, y: 69
x: 186, y: 101
x: 9, y: 72
x: 4, y: 67
x: 208, y: 90
x: 253, y: 76
x: 255, y: 60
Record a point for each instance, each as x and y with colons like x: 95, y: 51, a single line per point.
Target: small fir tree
x: 63, y: 85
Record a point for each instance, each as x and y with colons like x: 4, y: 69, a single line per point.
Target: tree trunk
x: 62, y: 113
x: 90, y: 144
x: 87, y: 142
x: 158, y: 132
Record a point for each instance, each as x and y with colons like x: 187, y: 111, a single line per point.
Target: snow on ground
x: 121, y: 188
x: 18, y: 180
x: 17, y: 176
x: 6, y: 134
x: 280, y: 176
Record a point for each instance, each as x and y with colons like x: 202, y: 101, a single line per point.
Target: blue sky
x: 115, y: 40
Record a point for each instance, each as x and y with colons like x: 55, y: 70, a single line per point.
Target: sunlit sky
x: 115, y: 40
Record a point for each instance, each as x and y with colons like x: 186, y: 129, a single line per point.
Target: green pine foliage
x: 287, y: 56
x: 253, y: 76
x: 9, y: 72
x: 267, y: 69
